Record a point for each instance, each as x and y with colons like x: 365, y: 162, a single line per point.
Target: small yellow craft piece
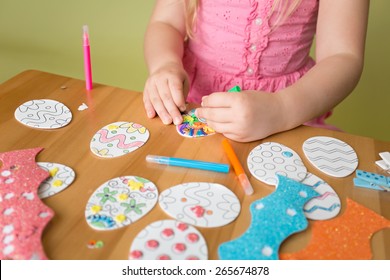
x: 120, y: 218
x: 96, y: 209
x: 112, y: 127
x: 53, y: 171
x: 135, y: 186
x: 57, y: 183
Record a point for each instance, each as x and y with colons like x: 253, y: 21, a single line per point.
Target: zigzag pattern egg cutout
x: 331, y: 156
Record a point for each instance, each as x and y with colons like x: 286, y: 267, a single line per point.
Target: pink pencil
x: 87, y: 58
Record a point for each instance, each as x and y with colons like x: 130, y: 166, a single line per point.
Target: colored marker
x: 87, y: 58
x: 244, y: 181
x: 182, y: 162
x: 235, y: 89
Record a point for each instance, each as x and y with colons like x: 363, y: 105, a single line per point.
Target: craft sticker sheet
x: 201, y: 204
x: 61, y: 176
x: 331, y: 156
x: 23, y: 215
x: 346, y: 237
x: 120, y: 202
x: 118, y: 139
x: 274, y: 218
x: 169, y: 240
x: 43, y: 114
x: 323, y: 207
x: 270, y: 159
x: 192, y: 127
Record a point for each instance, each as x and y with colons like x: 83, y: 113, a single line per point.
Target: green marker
x: 235, y: 89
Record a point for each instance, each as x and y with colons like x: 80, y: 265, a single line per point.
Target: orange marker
x: 244, y: 181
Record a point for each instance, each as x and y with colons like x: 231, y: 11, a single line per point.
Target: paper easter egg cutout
x: 61, y: 176
x: 270, y: 159
x: 120, y: 202
x: 193, y: 127
x: 331, y: 156
x: 118, y: 139
x: 324, y: 207
x: 43, y: 114
x: 169, y: 240
x: 200, y: 204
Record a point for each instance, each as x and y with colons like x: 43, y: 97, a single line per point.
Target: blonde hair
x: 192, y: 7
x: 284, y: 7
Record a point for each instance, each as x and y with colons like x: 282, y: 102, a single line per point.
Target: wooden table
x: 67, y: 235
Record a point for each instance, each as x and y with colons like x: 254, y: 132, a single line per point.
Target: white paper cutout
x: 118, y: 139
x: 385, y: 157
x: 324, y: 207
x: 169, y: 240
x: 331, y: 156
x: 269, y: 159
x: 120, y: 202
x: 201, y: 204
x: 83, y: 107
x: 61, y: 176
x: 43, y: 114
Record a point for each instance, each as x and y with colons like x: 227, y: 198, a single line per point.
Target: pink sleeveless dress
x: 235, y: 43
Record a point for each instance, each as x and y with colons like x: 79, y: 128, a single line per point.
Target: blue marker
x: 204, y: 165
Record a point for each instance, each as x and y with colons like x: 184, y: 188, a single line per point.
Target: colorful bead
x: 136, y: 255
x: 152, y: 244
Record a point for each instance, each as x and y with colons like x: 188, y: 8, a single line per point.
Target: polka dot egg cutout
x: 120, y: 202
x: 118, y: 139
x: 169, y: 240
x: 269, y: 159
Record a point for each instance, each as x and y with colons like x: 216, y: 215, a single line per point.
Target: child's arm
x: 163, y: 49
x: 340, y: 41
x: 341, y: 31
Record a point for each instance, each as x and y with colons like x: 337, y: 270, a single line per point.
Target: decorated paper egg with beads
x: 200, y: 204
x: 168, y: 240
x: 193, y: 127
x: 120, y: 202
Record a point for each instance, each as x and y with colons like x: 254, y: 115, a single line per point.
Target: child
x: 262, y: 46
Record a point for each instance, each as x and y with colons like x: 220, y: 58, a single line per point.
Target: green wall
x: 47, y: 35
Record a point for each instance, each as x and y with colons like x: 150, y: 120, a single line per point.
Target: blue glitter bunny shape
x: 274, y: 218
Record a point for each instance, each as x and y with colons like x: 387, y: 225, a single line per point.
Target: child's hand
x: 244, y: 116
x: 164, y: 93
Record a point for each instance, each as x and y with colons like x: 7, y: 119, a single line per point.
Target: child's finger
x: 159, y: 105
x: 176, y: 87
x: 220, y: 127
x: 218, y: 99
x: 217, y: 115
x: 150, y: 112
x: 170, y: 106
